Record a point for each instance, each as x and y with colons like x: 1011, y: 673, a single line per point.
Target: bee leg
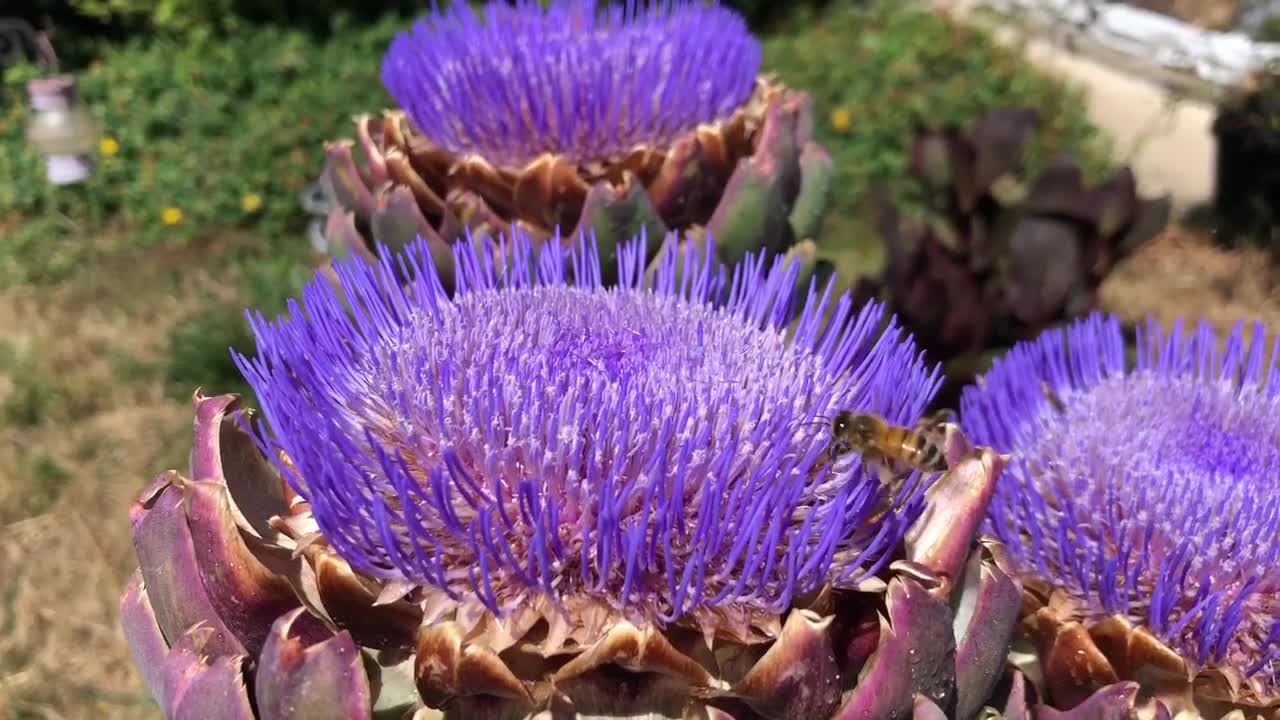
x: 934, y: 460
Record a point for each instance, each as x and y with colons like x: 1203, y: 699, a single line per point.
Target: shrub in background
x: 898, y: 68
x: 1247, y: 173
x: 1001, y: 254
x: 199, y: 134
x: 121, y: 18
x: 251, y: 110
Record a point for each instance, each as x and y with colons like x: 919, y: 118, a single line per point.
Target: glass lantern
x: 61, y: 130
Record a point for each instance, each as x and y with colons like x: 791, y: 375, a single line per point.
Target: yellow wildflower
x: 108, y: 146
x: 251, y: 202
x: 171, y: 215
x: 841, y: 119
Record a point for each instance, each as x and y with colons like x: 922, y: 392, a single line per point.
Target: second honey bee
x: 879, y: 440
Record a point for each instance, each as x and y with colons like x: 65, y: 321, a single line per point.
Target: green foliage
x: 886, y: 68
x: 120, y: 19
x: 1246, y: 204
x: 1268, y: 30
x: 203, y: 127
x: 31, y: 401
x: 158, y: 14
x: 225, y: 17
x: 48, y: 480
x: 762, y: 14
x: 201, y: 354
x: 202, y: 345
x: 226, y: 133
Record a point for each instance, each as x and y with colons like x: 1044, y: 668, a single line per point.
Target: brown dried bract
x: 1079, y: 656
x: 551, y: 190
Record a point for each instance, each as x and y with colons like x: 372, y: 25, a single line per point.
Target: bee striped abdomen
x: 914, y: 448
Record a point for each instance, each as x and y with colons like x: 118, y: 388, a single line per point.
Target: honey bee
x: 879, y: 440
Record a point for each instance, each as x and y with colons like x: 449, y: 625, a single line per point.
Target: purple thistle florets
x: 654, y: 446
x: 1150, y: 492
x: 523, y: 80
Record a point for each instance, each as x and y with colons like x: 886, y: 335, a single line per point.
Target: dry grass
x: 86, y: 420
x: 1181, y: 274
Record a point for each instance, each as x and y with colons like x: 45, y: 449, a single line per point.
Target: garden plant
x: 557, y: 422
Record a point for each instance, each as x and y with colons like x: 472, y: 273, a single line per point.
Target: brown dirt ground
x: 109, y: 427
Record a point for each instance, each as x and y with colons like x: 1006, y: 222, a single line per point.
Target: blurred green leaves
x: 229, y: 129
x: 199, y: 124
x: 880, y: 69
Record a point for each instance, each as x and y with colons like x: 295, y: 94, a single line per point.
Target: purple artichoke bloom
x: 575, y: 118
x: 537, y: 495
x: 1141, y: 509
x: 524, y: 80
x: 643, y: 450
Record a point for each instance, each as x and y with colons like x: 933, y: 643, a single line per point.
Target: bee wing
x: 933, y: 426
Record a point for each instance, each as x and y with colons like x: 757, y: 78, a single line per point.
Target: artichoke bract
x: 1142, y: 516
x: 1000, y: 256
x: 571, y: 120
x: 536, y: 495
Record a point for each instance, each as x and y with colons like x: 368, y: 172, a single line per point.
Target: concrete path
x: 1166, y: 140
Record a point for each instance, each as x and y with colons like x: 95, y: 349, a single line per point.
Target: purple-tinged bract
x: 1147, y: 491
x: 569, y: 79
x: 654, y: 446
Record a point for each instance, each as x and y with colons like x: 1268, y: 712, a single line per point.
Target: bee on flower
x: 536, y: 494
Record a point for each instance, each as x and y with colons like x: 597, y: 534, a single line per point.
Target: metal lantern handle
x: 20, y: 41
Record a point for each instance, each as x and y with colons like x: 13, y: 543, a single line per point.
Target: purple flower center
x: 652, y: 445
x: 524, y: 81
x: 1151, y: 492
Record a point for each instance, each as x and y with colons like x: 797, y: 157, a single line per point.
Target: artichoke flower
x: 1142, y: 516
x: 541, y: 496
x: 999, y: 256
x: 568, y: 120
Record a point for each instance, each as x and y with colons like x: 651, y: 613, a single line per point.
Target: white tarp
x: 1221, y: 58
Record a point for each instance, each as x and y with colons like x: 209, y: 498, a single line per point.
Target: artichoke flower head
x: 564, y: 119
x: 1142, y: 512
x: 538, y: 496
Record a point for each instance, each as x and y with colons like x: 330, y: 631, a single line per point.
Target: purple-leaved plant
x: 1142, y: 509
x: 541, y: 494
